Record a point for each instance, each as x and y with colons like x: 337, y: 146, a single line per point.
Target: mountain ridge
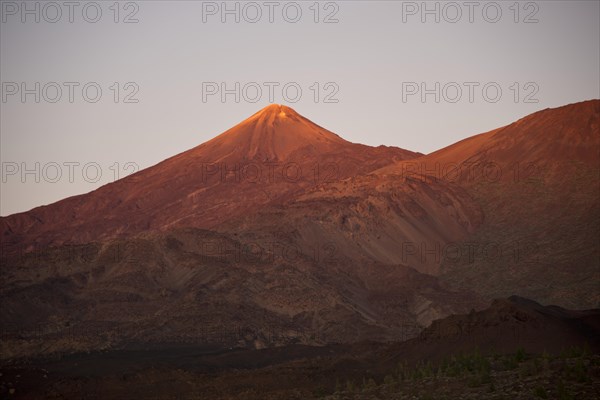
x: 285, y: 156
x: 187, y: 244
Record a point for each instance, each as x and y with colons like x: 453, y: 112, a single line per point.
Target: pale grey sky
x: 374, y: 61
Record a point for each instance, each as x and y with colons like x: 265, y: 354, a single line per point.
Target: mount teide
x: 166, y: 255
x: 229, y: 237
x: 271, y: 156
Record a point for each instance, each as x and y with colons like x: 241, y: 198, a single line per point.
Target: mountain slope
x: 202, y: 288
x: 390, y: 220
x: 209, y: 240
x: 537, y: 182
x: 482, y: 212
x: 274, y: 154
x: 264, y: 260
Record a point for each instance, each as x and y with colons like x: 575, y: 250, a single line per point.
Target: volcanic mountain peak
x: 209, y: 184
x: 274, y: 133
x: 276, y: 110
x: 283, y: 117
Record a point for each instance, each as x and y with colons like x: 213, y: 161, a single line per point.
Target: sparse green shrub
x: 474, y: 381
x: 579, y: 371
x: 563, y: 392
x: 485, y: 377
x: 520, y: 355
x: 320, y: 392
x: 540, y: 392
x: 509, y: 363
x: 338, y: 386
x: 417, y: 374
x: 526, y: 370
x: 350, y: 386
x: 389, y: 380
x: 369, y: 384
x: 537, y: 365
x: 402, y: 371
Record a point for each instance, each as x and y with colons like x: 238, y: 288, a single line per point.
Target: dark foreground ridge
x: 515, y: 347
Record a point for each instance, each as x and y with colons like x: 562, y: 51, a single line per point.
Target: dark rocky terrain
x: 515, y: 348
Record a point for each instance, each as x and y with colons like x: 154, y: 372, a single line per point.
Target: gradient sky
x: 373, y: 50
